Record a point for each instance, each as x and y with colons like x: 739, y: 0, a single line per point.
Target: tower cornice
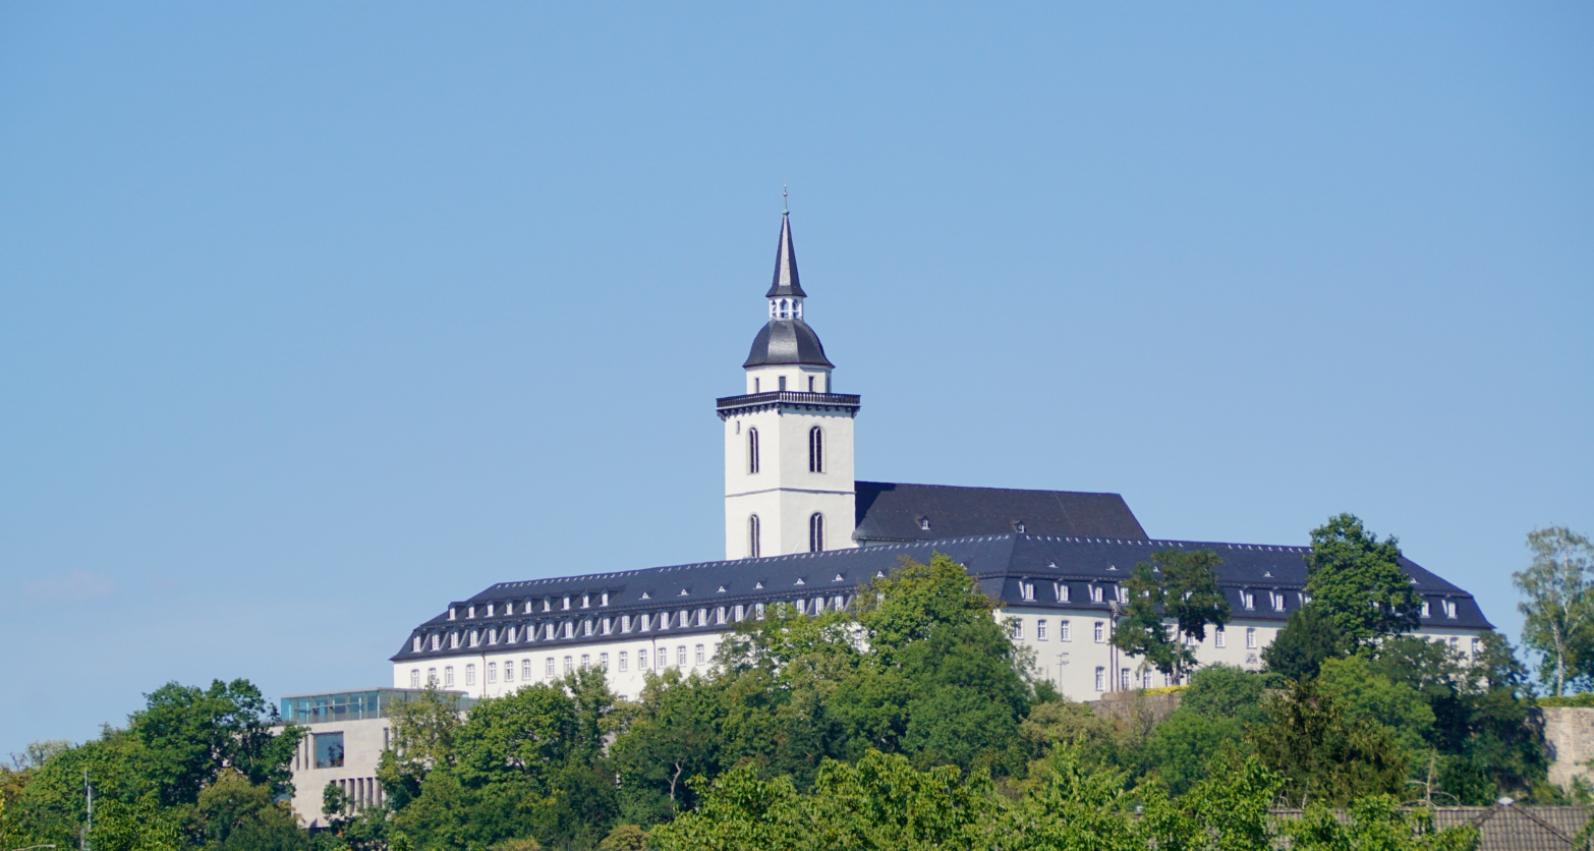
x: 725, y: 406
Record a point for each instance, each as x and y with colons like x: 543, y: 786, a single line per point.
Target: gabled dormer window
x: 1018, y: 526
x: 1248, y: 600
x: 924, y: 524
x: 470, y: 613
x: 1026, y: 590
x: 1425, y: 608
x: 1450, y: 609
x: 450, y: 612
x: 1097, y: 594
x: 1061, y: 590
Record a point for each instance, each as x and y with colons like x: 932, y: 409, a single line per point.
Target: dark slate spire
x: 786, y: 283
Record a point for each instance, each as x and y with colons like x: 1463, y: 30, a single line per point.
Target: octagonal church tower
x: 789, y: 484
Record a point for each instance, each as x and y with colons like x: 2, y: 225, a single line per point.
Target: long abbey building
x: 802, y: 529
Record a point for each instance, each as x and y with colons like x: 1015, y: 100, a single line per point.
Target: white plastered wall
x: 784, y: 493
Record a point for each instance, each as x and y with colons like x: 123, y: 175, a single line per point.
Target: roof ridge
x: 1047, y: 491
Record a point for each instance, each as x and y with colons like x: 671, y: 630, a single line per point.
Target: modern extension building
x: 800, y: 528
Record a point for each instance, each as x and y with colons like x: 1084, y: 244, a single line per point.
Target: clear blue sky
x: 316, y: 316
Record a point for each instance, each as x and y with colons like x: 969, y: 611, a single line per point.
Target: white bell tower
x: 788, y: 439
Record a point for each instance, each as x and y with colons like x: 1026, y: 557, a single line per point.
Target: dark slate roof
x: 786, y: 282
x: 896, y: 512
x: 1004, y: 565
x: 1513, y: 827
x: 787, y: 341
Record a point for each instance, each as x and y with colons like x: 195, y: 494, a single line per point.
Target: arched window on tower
x: 816, y: 533
x: 752, y: 536
x: 752, y: 450
x: 816, y: 450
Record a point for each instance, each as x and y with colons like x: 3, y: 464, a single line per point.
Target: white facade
x: 769, y: 475
x: 494, y: 673
x: 1069, y: 648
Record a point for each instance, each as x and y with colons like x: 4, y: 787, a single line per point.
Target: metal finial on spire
x: 785, y: 283
x: 785, y: 200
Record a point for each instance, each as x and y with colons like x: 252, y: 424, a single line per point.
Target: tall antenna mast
x: 88, y: 824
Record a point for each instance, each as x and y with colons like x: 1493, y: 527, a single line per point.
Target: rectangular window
x: 680, y: 656
x: 1027, y: 590
x: 548, y: 668
x: 1145, y: 678
x: 1095, y: 593
x: 1101, y: 678
x: 647, y: 622
x: 328, y: 750
x: 431, y: 676
x: 661, y: 658
x: 783, y: 382
x: 1123, y: 679
x: 1015, y: 629
x: 1450, y: 609
x: 492, y: 672
x: 1098, y: 631
x: 1247, y: 599
x: 1065, y: 630
x: 702, y: 617
x: 1218, y: 639
x: 448, y: 676
x: 603, y: 661
x: 1250, y: 637
x: 525, y: 670
x: 740, y: 612
x: 585, y: 661
x: 698, y: 650
x: 625, y: 623
x: 569, y: 664
x: 1475, y: 644
x: 1040, y: 629
x: 509, y: 671
x: 624, y: 662
x: 642, y: 660
x: 1062, y: 591
x: 1425, y: 608
x: 415, y: 678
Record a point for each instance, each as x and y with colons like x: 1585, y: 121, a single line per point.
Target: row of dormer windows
x: 546, y: 604
x: 624, y: 624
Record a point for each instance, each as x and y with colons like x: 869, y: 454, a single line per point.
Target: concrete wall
x: 1569, y: 732
x: 363, y: 743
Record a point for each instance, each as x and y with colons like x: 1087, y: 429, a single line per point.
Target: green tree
x: 1214, y: 720
x: 1180, y: 586
x: 157, y: 783
x: 1486, y: 739
x: 1321, y: 751
x: 1558, y: 609
x: 526, y: 764
x: 233, y: 814
x: 672, y: 736
x: 1309, y: 638
x: 1357, y: 580
x: 1375, y: 823
x: 422, y: 737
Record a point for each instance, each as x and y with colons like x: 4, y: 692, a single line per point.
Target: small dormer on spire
x: 785, y: 290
